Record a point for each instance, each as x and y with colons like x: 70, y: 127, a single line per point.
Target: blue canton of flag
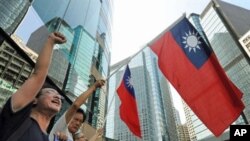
x: 191, y: 43
x: 128, y: 82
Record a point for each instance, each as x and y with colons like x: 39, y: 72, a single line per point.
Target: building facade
x: 183, y: 133
x: 86, y: 55
x: 221, y: 25
x: 14, y: 68
x: 224, y: 24
x: 12, y: 12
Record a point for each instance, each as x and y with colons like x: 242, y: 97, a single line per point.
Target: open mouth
x: 56, y: 101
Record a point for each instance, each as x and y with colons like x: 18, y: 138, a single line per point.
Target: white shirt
x: 60, y: 126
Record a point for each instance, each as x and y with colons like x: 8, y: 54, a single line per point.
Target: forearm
x: 27, y: 92
x: 78, y: 102
x: 84, y: 96
x: 44, y: 59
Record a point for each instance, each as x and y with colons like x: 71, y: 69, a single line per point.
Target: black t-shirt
x: 10, y: 121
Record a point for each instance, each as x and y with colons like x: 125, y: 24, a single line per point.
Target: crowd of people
x: 28, y: 112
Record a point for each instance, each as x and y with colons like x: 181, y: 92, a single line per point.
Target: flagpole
x: 105, y: 119
x: 167, y: 29
x: 129, y: 59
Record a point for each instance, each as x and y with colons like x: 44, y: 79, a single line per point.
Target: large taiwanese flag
x: 193, y: 69
x: 128, y: 108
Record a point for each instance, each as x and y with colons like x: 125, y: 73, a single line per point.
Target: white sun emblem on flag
x: 129, y: 82
x: 191, y: 41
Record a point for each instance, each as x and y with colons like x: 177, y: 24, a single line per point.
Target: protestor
x: 70, y: 122
x: 27, y: 114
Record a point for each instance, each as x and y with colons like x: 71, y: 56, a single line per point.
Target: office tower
x: 86, y: 57
x: 195, y: 20
x: 190, y: 122
x: 152, y: 97
x: 173, y: 118
x: 183, y: 132
x: 33, y: 55
x: 224, y: 24
x: 15, y: 67
x: 61, y: 53
x: 12, y: 12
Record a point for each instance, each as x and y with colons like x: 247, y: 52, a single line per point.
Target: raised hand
x: 99, y: 83
x: 57, y: 38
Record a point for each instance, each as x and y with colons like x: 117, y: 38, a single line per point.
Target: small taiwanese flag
x: 128, y: 108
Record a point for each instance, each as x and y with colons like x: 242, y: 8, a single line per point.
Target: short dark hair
x: 83, y: 113
x: 45, y: 85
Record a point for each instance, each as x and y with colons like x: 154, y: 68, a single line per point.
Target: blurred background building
x: 221, y: 25
x: 12, y: 13
x: 85, y: 57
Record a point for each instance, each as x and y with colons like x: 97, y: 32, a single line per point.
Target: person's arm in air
x: 28, y: 91
x: 81, y: 100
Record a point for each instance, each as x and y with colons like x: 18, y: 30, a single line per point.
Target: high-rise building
x: 152, y: 97
x: 12, y: 12
x: 190, y: 122
x: 222, y: 29
x: 14, y: 68
x: 61, y: 53
x: 195, y: 20
x: 33, y: 55
x: 86, y: 56
x: 183, y: 132
x: 224, y: 24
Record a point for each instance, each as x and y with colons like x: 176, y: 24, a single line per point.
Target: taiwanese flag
x: 193, y: 69
x: 128, y: 108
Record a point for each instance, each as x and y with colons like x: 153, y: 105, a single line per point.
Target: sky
x: 137, y: 22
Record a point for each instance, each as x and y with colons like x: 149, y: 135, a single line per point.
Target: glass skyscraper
x: 12, y: 12
x: 85, y: 57
x: 221, y: 22
x: 217, y: 21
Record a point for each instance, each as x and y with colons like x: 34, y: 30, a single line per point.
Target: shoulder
x: 10, y: 121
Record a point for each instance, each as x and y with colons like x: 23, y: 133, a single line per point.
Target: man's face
x: 50, y: 99
x: 75, y: 123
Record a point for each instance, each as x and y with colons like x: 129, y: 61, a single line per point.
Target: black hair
x: 45, y: 85
x: 83, y: 113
